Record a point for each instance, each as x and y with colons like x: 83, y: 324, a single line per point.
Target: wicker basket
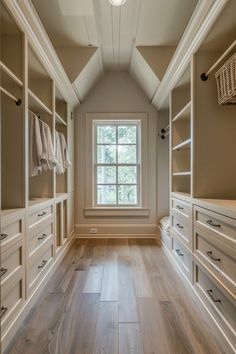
x: 226, y: 82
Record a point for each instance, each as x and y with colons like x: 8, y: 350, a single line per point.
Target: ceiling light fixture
x: 117, y: 2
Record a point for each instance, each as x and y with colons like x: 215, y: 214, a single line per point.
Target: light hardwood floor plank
x: 106, y: 337
x: 94, y: 280
x: 130, y: 339
x: 128, y: 311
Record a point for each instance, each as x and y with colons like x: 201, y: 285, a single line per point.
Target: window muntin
x: 117, y: 163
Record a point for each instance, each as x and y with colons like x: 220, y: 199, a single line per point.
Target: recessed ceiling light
x: 117, y: 2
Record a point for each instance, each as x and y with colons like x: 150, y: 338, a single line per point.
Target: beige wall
x: 162, y: 167
x: 115, y: 92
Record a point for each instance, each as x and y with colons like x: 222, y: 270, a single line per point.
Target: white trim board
x: 134, y: 236
x: 116, y: 230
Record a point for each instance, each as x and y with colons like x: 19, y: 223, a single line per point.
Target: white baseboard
x: 116, y: 231
x: 9, y: 335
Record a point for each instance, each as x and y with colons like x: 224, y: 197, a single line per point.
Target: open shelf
x: 183, y: 145
x: 11, y: 52
x: 184, y: 113
x: 10, y: 74
x: 188, y: 173
x: 36, y: 105
x: 59, y: 119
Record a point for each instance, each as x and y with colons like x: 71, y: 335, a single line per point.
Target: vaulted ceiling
x: 92, y: 36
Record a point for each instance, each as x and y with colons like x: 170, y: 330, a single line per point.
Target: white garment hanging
x: 62, y: 155
x: 35, y: 146
x: 48, y: 157
x: 59, y: 166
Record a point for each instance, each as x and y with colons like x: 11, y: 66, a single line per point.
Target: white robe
x: 35, y: 146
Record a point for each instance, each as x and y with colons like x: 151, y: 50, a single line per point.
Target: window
x: 117, y: 163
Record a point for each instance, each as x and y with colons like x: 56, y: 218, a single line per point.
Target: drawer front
x: 182, y: 208
x: 217, y: 258
x: 11, y: 261
x: 39, y: 216
x: 12, y: 232
x: 183, y: 229
x: 183, y: 257
x: 219, y: 305
x: 39, y: 266
x: 12, y: 300
x: 221, y: 227
x: 39, y: 236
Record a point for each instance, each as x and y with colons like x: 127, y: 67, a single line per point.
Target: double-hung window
x: 117, y: 159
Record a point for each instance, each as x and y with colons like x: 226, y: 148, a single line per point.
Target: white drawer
x: 222, y: 308
x: 39, y: 236
x: 12, y: 230
x: 222, y: 228
x: 12, y: 260
x: 217, y: 258
x: 183, y: 257
x: 181, y: 207
x: 39, y: 215
x: 39, y: 265
x: 165, y: 238
x: 182, y: 228
x: 12, y: 300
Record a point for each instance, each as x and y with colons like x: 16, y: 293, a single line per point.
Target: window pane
x: 127, y: 195
x: 127, y: 134
x: 106, y: 154
x: 106, y: 175
x: 127, y: 154
x: 127, y: 174
x: 106, y: 195
x: 106, y: 134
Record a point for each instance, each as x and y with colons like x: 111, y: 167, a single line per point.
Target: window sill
x: 116, y: 212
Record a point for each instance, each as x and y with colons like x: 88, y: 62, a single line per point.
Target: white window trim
x: 92, y: 210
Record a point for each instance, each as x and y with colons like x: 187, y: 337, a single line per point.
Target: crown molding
x: 29, y: 22
x: 198, y: 28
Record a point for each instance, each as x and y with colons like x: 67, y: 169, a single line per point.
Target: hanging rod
x: 204, y: 76
x: 163, y: 136
x: 17, y: 100
x: 163, y: 130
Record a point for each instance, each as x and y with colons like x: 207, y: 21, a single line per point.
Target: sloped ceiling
x: 92, y: 36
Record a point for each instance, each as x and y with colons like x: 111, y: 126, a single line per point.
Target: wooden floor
x: 116, y: 296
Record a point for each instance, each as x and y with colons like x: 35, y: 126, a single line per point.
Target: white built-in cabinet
x: 37, y: 213
x: 202, y: 241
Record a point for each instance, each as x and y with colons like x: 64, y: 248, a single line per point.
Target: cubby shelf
x: 10, y: 73
x: 36, y: 104
x: 184, y: 113
x: 183, y: 145
x: 188, y: 173
x: 59, y: 119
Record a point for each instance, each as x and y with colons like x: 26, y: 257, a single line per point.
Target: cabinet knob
x: 42, y: 213
x: 210, y: 255
x: 3, y: 311
x: 179, y: 252
x: 3, y: 236
x: 179, y: 226
x: 211, y: 223
x: 179, y: 207
x: 43, y: 264
x: 210, y: 293
x: 42, y: 236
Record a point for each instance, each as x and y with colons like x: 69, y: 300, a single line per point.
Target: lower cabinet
x: 31, y: 239
x: 203, y: 246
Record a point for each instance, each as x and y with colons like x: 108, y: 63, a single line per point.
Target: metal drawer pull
x: 3, y: 271
x: 210, y: 293
x: 210, y: 222
x: 179, y: 207
x: 209, y: 253
x: 42, y: 237
x: 3, y: 236
x: 43, y: 264
x: 179, y: 226
x: 3, y: 311
x: 42, y: 214
x: 179, y: 252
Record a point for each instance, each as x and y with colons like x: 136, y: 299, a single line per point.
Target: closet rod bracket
x: 204, y: 77
x: 18, y: 102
